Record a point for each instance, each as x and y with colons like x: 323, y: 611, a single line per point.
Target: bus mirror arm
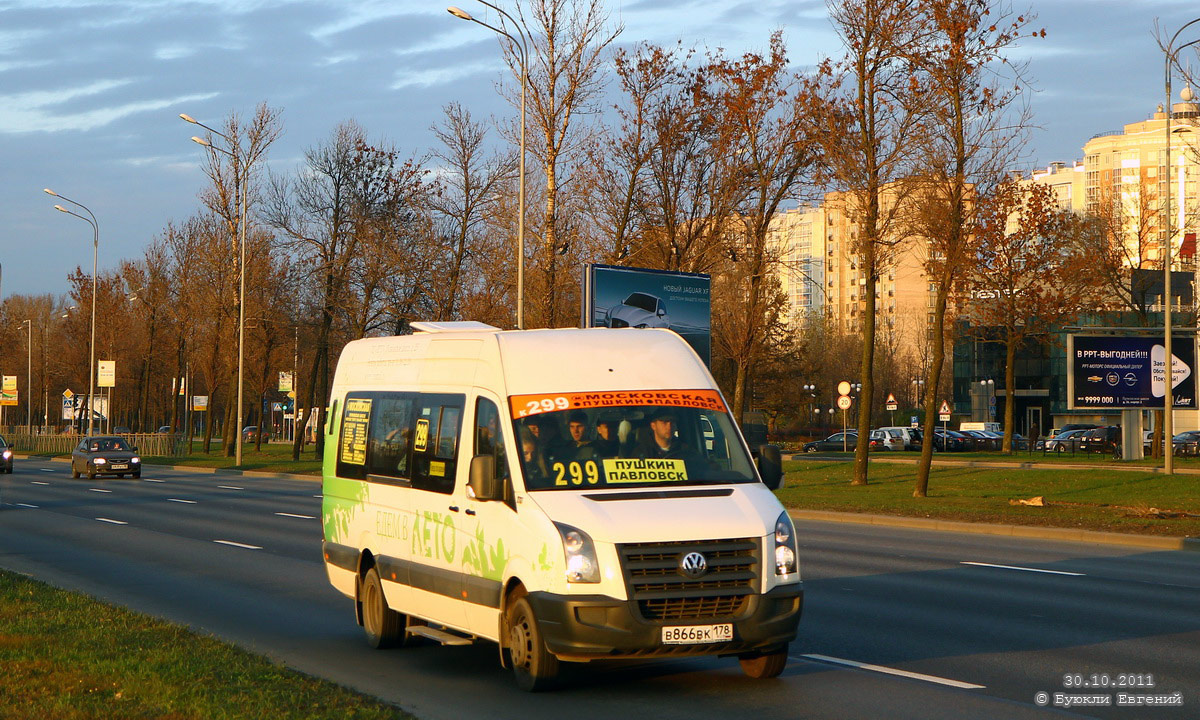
x: 483, y: 483
x: 770, y: 466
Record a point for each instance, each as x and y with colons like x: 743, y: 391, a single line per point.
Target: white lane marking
x: 27, y: 505
x: 293, y: 515
x: 39, y: 482
x: 47, y: 469
x: 1026, y: 569
x: 894, y: 671
x: 152, y: 480
x: 99, y: 490
x: 319, y: 496
x: 114, y: 522
x: 189, y: 502
x: 238, y: 544
x: 230, y: 487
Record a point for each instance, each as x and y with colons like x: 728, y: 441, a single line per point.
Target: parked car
x: 1186, y: 443
x: 838, y: 441
x: 1101, y: 440
x: 105, y: 455
x: 639, y: 310
x: 980, y: 441
x: 912, y: 436
x: 164, y: 430
x: 251, y: 432
x: 950, y: 440
x: 6, y: 457
x: 887, y: 439
x: 121, y: 430
x: 1065, y: 442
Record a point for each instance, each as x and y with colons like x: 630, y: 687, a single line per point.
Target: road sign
x: 912, y: 421
x: 106, y: 375
x: 10, y: 383
x: 944, y: 412
x: 8, y: 397
x: 67, y: 394
x: 843, y: 388
x: 285, y: 381
x: 891, y: 402
x: 199, y: 403
x: 844, y: 402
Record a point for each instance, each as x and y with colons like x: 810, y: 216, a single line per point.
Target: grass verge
x: 1129, y: 501
x: 274, y: 457
x: 68, y: 656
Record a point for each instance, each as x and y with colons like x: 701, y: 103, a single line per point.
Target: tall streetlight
x: 1171, y: 52
x: 520, y: 45
x: 91, y: 220
x: 239, y: 176
x: 28, y: 375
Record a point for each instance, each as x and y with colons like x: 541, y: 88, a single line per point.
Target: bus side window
x: 435, y: 442
x: 489, y: 439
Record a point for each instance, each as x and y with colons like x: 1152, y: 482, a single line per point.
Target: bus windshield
x: 581, y: 441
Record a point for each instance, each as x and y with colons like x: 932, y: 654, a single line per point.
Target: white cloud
x: 35, y: 111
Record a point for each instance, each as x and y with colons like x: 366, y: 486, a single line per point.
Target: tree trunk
x: 932, y: 390
x: 1010, y: 376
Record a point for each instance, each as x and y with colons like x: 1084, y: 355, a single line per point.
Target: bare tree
x: 568, y: 39
x: 470, y: 183
x: 1028, y: 266
x: 231, y: 197
x: 974, y: 124
x: 870, y: 151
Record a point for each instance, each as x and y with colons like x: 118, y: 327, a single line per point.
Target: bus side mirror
x: 770, y: 466
x: 483, y: 483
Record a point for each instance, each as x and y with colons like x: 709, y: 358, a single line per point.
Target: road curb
x: 1025, y: 531
x: 938, y: 460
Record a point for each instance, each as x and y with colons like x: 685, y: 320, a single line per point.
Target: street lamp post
x: 91, y: 220
x: 28, y: 377
x: 524, y: 57
x: 1168, y: 371
x: 239, y: 176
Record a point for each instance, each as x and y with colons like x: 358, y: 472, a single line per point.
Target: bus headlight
x: 785, y: 545
x: 581, y: 555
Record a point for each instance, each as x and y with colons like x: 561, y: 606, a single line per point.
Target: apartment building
x: 820, y: 274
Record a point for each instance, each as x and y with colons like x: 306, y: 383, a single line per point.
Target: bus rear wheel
x: 383, y: 626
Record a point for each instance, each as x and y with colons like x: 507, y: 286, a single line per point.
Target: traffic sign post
x: 944, y: 414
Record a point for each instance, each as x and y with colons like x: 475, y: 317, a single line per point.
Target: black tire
x: 136, y: 475
x: 91, y: 475
x: 534, y: 667
x: 74, y: 472
x: 766, y: 665
x: 383, y: 626
x: 810, y: 449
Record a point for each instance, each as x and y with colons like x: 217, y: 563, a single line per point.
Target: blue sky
x: 90, y: 91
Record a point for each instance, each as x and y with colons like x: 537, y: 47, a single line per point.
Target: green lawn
x: 274, y: 457
x: 1132, y: 501
x: 68, y: 656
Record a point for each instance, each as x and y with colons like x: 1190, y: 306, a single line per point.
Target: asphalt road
x: 897, y: 624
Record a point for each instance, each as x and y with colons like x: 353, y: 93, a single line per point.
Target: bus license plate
x: 697, y: 634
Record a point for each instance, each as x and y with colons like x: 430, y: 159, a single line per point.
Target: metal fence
x: 148, y: 444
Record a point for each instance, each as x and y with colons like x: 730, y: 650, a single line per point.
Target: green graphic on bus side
x: 485, y: 560
x: 342, y: 500
x: 433, y: 536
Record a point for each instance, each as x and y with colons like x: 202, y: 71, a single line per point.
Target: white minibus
x: 572, y: 495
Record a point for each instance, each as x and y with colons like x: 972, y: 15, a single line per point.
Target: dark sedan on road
x: 105, y: 455
x: 6, y: 456
x: 837, y: 441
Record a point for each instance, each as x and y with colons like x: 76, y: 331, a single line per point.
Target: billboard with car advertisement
x: 1124, y: 373
x: 620, y: 297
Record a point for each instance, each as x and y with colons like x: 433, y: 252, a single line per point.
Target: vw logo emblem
x: 693, y: 565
